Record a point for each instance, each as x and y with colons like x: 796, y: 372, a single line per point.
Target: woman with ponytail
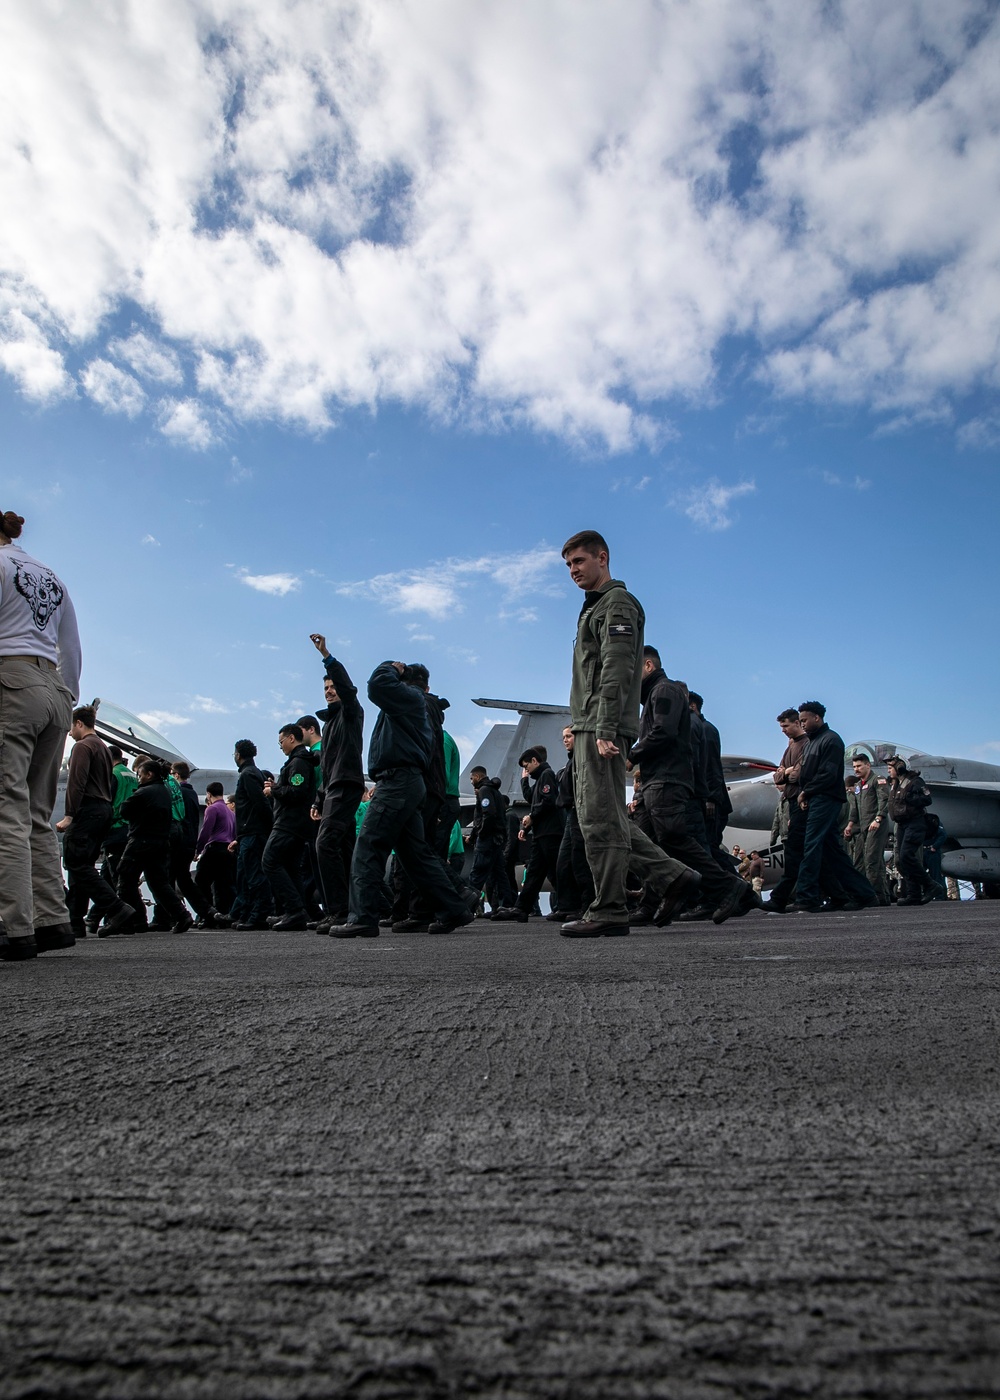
x: 149, y: 812
x: 39, y: 685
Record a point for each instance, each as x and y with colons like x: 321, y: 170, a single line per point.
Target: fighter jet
x: 966, y: 799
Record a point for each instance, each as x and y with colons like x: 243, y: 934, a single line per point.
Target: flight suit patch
x: 296, y: 780
x: 621, y: 630
x: 485, y: 802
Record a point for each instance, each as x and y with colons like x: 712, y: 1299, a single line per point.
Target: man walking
x: 292, y: 793
x: 909, y: 799
x: 342, y: 783
x: 544, y: 821
x: 868, y: 825
x: 663, y: 750
x: 86, y: 824
x: 398, y: 757
x: 604, y: 705
x: 254, y: 820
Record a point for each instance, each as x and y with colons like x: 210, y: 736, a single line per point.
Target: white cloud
x: 278, y: 585
x: 184, y: 421
x: 112, y: 388
x: 508, y: 212
x: 205, y: 705
x: 857, y: 483
x: 980, y: 434
x: 150, y: 540
x: 163, y: 720
x: 437, y: 589
x: 149, y: 359
x: 708, y: 505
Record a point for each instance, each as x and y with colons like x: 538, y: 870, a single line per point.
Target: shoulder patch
x: 547, y: 787
x: 621, y: 629
x: 485, y: 802
x: 296, y: 780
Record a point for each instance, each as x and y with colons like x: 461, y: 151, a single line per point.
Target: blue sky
x: 343, y: 317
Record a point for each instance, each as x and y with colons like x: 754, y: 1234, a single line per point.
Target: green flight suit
x: 604, y: 704
x: 866, y: 804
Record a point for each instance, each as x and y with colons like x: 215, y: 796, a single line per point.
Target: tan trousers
x: 614, y: 845
x: 36, y: 710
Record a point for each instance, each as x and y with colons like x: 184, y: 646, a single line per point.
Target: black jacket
x: 663, y: 748
x: 402, y: 734
x: 191, y: 824
x: 294, y: 789
x: 253, y: 811
x: 566, y: 795
x: 909, y: 797
x: 149, y: 812
x: 546, y: 818
x: 343, y: 731
x: 489, y: 821
x: 437, y: 785
x: 715, y: 777
x: 822, y: 772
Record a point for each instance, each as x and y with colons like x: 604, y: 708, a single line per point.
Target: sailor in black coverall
x: 292, y: 793
x: 545, y: 822
x: 342, y: 782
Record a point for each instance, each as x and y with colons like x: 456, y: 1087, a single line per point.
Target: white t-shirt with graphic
x: 37, y: 617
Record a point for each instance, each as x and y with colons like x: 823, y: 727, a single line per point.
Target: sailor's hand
x: 607, y: 749
x: 319, y: 642
x: 399, y: 666
x: 65, y: 824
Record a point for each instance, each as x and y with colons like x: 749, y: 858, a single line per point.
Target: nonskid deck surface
x: 758, y: 1159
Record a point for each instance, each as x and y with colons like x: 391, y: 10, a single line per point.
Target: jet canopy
x: 133, y: 735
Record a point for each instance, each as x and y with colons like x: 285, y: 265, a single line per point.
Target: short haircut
x: 85, y: 715
x: 589, y: 540
x: 478, y: 769
x: 849, y: 781
x: 861, y: 758
x: 246, y: 748
x: 215, y: 789
x: 789, y: 716
x: 182, y: 770
x: 813, y: 707
x: 115, y: 753
x: 419, y: 674
x: 156, y: 766
x: 292, y: 729
x: 651, y: 654
x: 529, y: 754
x: 696, y: 700
x: 308, y: 722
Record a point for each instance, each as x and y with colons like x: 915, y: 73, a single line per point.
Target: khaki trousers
x: 614, y: 845
x: 36, y: 710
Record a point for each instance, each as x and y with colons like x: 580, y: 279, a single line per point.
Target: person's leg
x: 258, y: 888
x: 567, y: 891
x: 335, y: 846
x: 581, y: 870
x: 81, y: 848
x: 396, y: 799
x: 534, y: 878
x: 180, y: 856
x: 821, y: 818
x: 433, y: 880
x: 281, y: 864
x: 794, y: 846
x: 156, y: 866
x: 873, y: 863
x: 667, y: 809
x: 129, y: 875
x: 909, y: 838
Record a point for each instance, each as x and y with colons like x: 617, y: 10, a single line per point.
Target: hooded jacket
x: 342, y: 739
x: 909, y: 797
x: 663, y: 748
x: 546, y: 818
x: 437, y: 780
x: 294, y: 789
x: 489, y: 821
x: 607, y: 663
x: 822, y: 771
x: 402, y: 734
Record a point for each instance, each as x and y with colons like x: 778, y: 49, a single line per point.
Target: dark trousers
x: 114, y: 847
x: 489, y: 873
x: 215, y: 876
x: 574, y: 882
x: 394, y: 821
x: 181, y: 856
x: 543, y: 862
x: 335, y: 845
x: 282, y: 864
x: 439, y: 816
x: 666, y: 807
x: 149, y: 859
x: 910, y: 836
x: 253, y: 900
x: 824, y: 853
x: 81, y: 848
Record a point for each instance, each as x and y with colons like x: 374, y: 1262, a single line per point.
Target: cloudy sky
x: 343, y: 316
